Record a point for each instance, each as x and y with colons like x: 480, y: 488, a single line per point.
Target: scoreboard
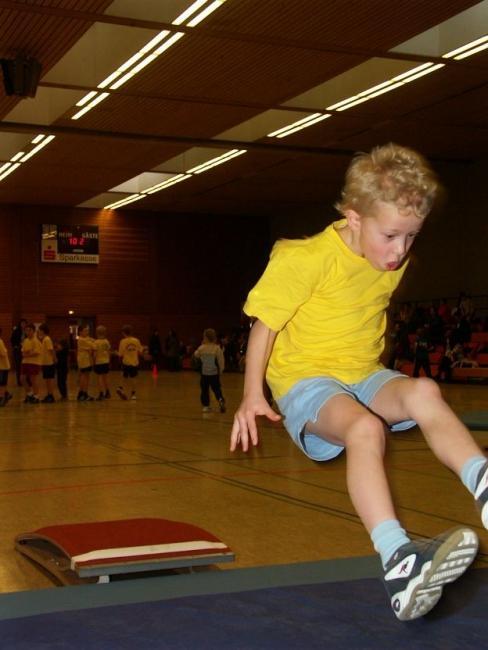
x: 69, y: 244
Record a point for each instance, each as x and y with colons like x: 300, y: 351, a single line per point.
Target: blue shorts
x: 305, y: 399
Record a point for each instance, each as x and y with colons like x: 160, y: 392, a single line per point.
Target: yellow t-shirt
x: 32, y: 345
x: 102, y: 351
x: 129, y: 350
x: 47, y: 348
x: 84, y: 355
x: 327, y: 305
x: 4, y: 360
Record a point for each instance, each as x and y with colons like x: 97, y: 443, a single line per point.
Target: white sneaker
x: 206, y: 409
x: 418, y: 571
x: 133, y: 396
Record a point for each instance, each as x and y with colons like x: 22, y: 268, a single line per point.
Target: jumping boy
x: 320, y: 308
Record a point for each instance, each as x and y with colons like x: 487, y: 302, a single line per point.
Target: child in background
x: 212, y: 364
x: 130, y: 349
x: 102, y: 362
x: 84, y: 357
x: 62, y: 357
x: 5, y: 396
x: 321, y: 314
x: 421, y: 350
x: 48, y: 362
x: 31, y: 364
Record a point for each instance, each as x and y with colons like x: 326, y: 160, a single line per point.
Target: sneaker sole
x: 450, y: 561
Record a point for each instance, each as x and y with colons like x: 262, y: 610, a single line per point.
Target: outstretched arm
x: 253, y: 403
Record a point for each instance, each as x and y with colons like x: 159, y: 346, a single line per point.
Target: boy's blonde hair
x: 210, y: 335
x: 392, y: 174
x: 101, y: 332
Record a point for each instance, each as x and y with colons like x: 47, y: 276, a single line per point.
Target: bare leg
x: 344, y: 421
x: 421, y: 400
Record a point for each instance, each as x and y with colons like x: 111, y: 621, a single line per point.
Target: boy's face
x: 385, y: 236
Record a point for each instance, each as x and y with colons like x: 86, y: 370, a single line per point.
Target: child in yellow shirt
x: 102, y: 361
x: 84, y: 357
x: 130, y: 349
x: 5, y: 396
x: 48, y: 362
x: 31, y: 364
x: 320, y: 310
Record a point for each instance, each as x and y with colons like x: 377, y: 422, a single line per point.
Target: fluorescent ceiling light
x: 412, y: 71
x: 467, y: 50
x: 86, y: 98
x: 213, y: 162
x: 344, y: 106
x: 299, y: 125
x: 36, y: 149
x: 206, y: 12
x: 89, y: 106
x: 149, y: 59
x: 188, y: 12
x: 178, y: 178
x: 121, y: 202
x: 471, y: 52
x: 386, y: 86
x: 171, y: 181
x: 171, y: 41
x: 127, y: 64
x: 422, y: 73
x: 12, y: 167
x: 17, y: 156
x: 91, y: 99
x: 40, y: 141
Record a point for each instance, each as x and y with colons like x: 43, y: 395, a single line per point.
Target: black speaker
x: 21, y: 76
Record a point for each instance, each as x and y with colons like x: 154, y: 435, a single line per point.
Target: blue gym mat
x: 476, y: 420
x: 353, y: 614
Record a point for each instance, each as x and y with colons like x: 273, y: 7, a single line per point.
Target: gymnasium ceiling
x: 219, y: 80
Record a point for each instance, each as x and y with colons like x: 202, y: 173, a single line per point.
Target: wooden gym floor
x: 161, y: 457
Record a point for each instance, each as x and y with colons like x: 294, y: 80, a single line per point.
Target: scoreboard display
x: 69, y: 244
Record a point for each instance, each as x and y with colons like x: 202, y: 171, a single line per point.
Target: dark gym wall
x: 451, y: 253
x: 182, y: 271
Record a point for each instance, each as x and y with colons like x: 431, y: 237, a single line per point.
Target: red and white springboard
x: 71, y: 552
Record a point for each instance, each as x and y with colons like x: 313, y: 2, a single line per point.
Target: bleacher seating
x: 479, y: 374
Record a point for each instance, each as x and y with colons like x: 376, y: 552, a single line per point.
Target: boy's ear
x: 353, y: 219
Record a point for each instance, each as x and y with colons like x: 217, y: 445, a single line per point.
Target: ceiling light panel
x: 101, y: 50
x: 463, y: 28
x: 141, y: 182
x: 261, y: 125
x: 12, y: 143
x: 165, y: 11
x: 161, y: 42
x: 365, y: 75
x: 303, y: 123
x: 45, y: 108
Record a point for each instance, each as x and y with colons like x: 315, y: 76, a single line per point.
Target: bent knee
x: 423, y: 390
x: 367, y: 430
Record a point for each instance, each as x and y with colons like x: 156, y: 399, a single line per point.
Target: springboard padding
x: 104, y: 548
